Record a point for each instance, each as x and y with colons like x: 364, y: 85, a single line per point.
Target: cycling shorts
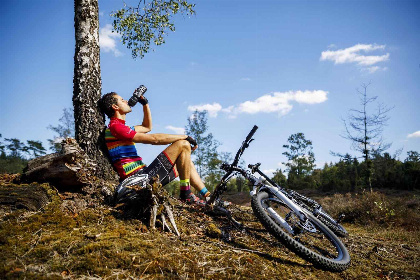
x: 162, y: 166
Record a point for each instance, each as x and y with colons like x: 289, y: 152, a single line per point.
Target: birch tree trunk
x: 89, y: 121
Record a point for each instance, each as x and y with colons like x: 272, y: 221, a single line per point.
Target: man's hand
x: 143, y: 100
x: 192, y: 142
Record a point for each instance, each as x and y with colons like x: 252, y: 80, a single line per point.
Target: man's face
x: 122, y: 104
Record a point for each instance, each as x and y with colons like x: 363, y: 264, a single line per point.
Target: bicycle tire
x: 340, y: 260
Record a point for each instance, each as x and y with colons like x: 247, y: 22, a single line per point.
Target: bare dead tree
x: 365, y: 129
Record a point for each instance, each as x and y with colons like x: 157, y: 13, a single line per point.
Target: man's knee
x: 183, y: 145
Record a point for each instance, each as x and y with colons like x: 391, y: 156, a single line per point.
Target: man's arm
x: 146, y: 126
x: 157, y: 138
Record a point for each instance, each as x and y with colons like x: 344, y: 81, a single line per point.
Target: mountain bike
x: 293, y: 219
x: 309, y: 204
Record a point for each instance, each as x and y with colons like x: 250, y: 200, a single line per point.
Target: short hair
x: 106, y: 102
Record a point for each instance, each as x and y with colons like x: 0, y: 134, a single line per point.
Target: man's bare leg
x: 180, y: 154
x: 195, y: 179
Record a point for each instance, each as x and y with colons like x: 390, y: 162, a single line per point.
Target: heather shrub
x: 375, y: 208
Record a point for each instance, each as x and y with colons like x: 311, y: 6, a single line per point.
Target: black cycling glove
x: 143, y: 101
x: 192, y: 141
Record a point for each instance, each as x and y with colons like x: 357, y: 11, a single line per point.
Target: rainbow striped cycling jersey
x: 122, y: 151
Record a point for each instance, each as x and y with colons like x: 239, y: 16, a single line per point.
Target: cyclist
x: 173, y: 161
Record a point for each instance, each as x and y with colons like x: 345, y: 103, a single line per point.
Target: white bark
x: 89, y: 121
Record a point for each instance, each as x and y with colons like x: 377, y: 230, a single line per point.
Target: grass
x: 97, y: 242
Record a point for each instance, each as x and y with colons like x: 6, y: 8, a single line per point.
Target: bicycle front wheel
x: 310, y: 240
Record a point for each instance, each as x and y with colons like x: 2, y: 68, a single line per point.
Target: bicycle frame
x: 262, y: 183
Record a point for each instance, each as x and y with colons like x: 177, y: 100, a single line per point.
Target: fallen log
x: 67, y: 170
x: 31, y: 197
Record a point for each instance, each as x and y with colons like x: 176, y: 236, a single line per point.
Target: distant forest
x: 346, y: 175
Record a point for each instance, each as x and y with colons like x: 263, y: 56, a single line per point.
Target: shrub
x: 375, y: 208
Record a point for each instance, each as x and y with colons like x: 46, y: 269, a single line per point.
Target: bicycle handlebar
x: 245, y: 145
x: 248, y: 138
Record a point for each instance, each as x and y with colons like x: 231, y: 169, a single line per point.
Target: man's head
x: 111, y: 103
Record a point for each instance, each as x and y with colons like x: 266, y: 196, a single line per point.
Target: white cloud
x: 280, y: 102
x: 228, y: 109
x: 177, y: 130
x: 229, y: 112
x: 213, y: 109
x: 107, y: 40
x: 373, y: 69
x: 354, y: 55
x: 246, y: 79
x: 310, y: 97
x: 414, y: 135
x: 269, y: 172
x: 277, y: 102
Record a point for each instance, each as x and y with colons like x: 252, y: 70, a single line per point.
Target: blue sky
x: 286, y: 66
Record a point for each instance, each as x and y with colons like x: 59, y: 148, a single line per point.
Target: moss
x: 95, y: 242
x: 213, y: 231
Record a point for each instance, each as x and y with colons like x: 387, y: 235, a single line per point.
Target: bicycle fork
x: 293, y: 206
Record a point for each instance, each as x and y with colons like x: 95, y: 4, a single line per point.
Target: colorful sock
x: 185, y: 189
x: 204, y: 192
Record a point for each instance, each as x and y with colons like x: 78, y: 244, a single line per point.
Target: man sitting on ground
x: 173, y: 161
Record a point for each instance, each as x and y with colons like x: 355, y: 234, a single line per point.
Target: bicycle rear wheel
x: 311, y: 240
